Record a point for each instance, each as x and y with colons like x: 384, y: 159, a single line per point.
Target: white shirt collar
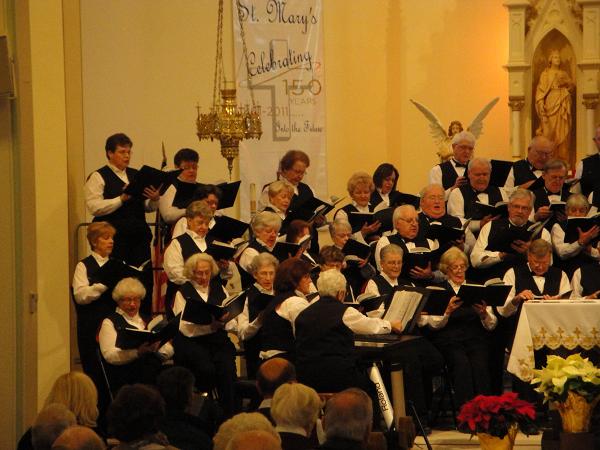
x: 115, y: 169
x: 101, y: 260
x: 136, y: 320
x: 389, y: 280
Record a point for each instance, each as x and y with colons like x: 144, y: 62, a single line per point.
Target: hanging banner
x: 285, y: 55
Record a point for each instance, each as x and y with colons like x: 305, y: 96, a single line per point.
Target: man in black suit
x: 451, y: 174
x: 525, y: 171
x: 347, y: 421
x: 554, y: 190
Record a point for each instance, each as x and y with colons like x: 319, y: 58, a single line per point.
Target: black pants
x: 144, y: 370
x: 211, y: 358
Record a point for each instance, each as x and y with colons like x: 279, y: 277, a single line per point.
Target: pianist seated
x: 325, y: 338
x: 134, y: 365
x: 462, y: 334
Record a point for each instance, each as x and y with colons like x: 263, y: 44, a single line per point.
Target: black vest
x: 188, y: 245
x: 470, y: 197
x: 524, y: 280
x: 383, y: 286
x: 590, y: 279
x: 120, y: 323
x: 447, y: 220
x: 277, y: 332
x: 407, y: 259
x: 321, y: 333
x: 131, y: 211
x: 522, y: 172
x: 93, y: 313
x: 589, y: 174
x: 496, y: 235
x: 449, y: 174
x: 216, y: 295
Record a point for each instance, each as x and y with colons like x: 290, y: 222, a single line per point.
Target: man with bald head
x: 271, y: 374
x: 451, y: 174
x: 525, y: 171
x: 347, y: 420
x: 78, y: 438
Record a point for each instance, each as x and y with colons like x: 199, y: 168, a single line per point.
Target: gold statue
x: 438, y: 131
x: 553, y: 105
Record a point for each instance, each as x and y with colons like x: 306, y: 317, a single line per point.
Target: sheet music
x: 403, y: 306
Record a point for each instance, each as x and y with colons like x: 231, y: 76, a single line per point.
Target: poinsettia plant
x: 562, y: 375
x: 496, y: 414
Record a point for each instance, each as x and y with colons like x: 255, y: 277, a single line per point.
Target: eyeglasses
x: 410, y: 221
x: 458, y: 267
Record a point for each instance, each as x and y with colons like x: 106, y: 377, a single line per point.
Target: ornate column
x: 517, y: 68
x: 590, y: 66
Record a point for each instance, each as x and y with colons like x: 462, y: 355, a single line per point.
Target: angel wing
x: 476, y: 126
x: 436, y: 129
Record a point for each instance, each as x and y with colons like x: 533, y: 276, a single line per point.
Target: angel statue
x: 438, y: 131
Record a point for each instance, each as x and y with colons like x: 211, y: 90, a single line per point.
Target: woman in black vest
x: 280, y: 197
x: 203, y: 345
x: 462, y: 333
x: 385, y: 178
x: 136, y: 365
x: 292, y: 284
x: 265, y: 229
x: 249, y: 322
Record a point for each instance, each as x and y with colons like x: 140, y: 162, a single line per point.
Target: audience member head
x: 555, y: 174
x: 292, y: 274
x: 128, y: 293
x: 78, y: 438
x: 135, y: 412
x: 176, y: 386
x: 463, y: 144
x: 200, y: 268
x: 454, y: 264
x: 480, y: 170
x: 331, y: 257
x: 50, y: 422
x: 78, y: 393
x: 360, y: 186
x: 254, y: 440
x: 266, y: 226
x: 348, y: 415
x: 539, y: 151
x: 296, y: 230
x: 539, y: 256
x: 118, y: 150
x: 406, y: 221
x: 273, y: 373
x: 280, y: 194
x: 186, y: 159
x: 296, y: 405
x: 332, y: 283
x: 263, y: 268
x: 340, y: 231
x: 577, y: 206
x: 240, y: 423
x: 100, y: 236
x: 210, y: 193
x: 433, y: 201
x: 520, y: 205
x: 198, y: 215
x: 385, y: 178
x: 293, y: 166
x: 391, y: 261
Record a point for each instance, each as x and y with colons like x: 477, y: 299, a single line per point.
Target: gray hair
x: 339, y: 225
x: 427, y: 189
x: 199, y: 208
x: 49, y: 425
x: 451, y: 255
x: 266, y: 219
x: 331, y: 282
x: 400, y: 210
x: 128, y: 286
x: 522, y: 193
x: 577, y: 201
x: 348, y: 415
x: 261, y: 260
x: 479, y: 161
x: 190, y: 265
x: 280, y: 185
x: 541, y: 140
x: 464, y: 136
x: 391, y: 249
x: 295, y: 404
x: 240, y: 423
x: 555, y: 164
x: 359, y: 178
x: 539, y: 248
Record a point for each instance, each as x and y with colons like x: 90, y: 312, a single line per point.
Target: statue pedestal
x: 579, y: 441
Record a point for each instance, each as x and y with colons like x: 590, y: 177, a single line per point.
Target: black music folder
x: 163, y: 331
x: 229, y: 192
x: 149, y: 176
x: 500, y: 171
x: 493, y: 292
x: 227, y: 229
x: 198, y: 311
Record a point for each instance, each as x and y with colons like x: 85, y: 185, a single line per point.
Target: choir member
x: 185, y: 159
x: 340, y: 231
x: 297, y: 232
x: 332, y: 257
x: 462, y: 201
x: 136, y: 365
x: 360, y: 187
x: 588, y: 168
x: 451, y: 174
x: 106, y: 201
x: 203, y: 345
x: 525, y: 171
x: 486, y: 256
x: 462, y: 335
x: 210, y: 194
x: 554, y: 190
x: 572, y: 255
x: 386, y: 281
x: 586, y: 282
x: 249, y: 323
x: 385, y: 178
x: 292, y: 283
x: 280, y: 196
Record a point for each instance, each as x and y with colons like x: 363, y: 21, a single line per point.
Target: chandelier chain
x: 245, y: 49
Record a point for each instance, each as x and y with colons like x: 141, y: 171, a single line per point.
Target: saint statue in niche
x: 553, y: 105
